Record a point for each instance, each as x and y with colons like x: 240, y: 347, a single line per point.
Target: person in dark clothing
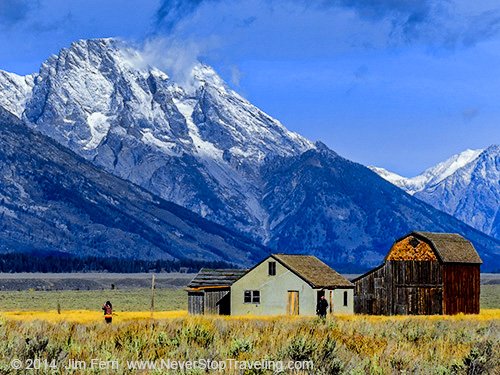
x: 321, y: 307
x: 108, y: 312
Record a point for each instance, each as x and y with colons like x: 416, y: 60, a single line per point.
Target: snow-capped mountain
x: 202, y: 146
x: 467, y: 186
x: 51, y: 200
x: 140, y: 125
x: 430, y: 176
x: 471, y: 193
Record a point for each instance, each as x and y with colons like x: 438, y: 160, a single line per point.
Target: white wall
x: 338, y: 301
x: 273, y: 292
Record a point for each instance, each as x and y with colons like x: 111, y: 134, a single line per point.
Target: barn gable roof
x: 312, y: 270
x: 450, y: 247
x: 215, y: 278
x: 367, y: 273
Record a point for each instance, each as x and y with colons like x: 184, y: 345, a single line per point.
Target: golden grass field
x: 461, y: 344
x: 90, y: 316
x: 31, y: 327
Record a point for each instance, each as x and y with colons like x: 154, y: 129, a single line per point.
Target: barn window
x: 272, y: 268
x: 345, y: 298
x: 252, y: 296
x: 414, y: 242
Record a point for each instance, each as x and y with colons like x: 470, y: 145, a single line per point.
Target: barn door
x: 293, y: 303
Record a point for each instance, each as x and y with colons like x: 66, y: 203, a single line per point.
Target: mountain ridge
x: 360, y: 211
x: 53, y: 200
x: 207, y: 149
x: 432, y: 175
x: 467, y: 186
x: 92, y: 99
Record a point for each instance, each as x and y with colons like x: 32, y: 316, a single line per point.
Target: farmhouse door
x: 293, y: 303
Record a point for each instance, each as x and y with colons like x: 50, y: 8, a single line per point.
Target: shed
x: 424, y: 273
x: 209, y: 291
x: 290, y: 284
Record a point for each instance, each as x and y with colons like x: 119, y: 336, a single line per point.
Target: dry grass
x: 90, y: 316
x: 460, y: 344
x: 339, y: 345
x: 86, y: 316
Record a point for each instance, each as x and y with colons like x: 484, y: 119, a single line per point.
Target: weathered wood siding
x: 400, y: 287
x: 417, y: 287
x: 209, y: 301
x: 213, y: 301
x: 370, y: 293
x: 411, y: 248
x: 196, y: 303
x: 461, y: 288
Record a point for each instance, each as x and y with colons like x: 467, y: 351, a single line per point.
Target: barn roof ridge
x: 449, y: 247
x: 368, y: 272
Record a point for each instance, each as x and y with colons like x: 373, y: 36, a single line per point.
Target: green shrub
x: 480, y: 360
x: 196, y: 334
x: 301, y: 349
x: 239, y: 346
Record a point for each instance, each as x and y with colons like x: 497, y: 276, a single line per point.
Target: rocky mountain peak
x: 206, y: 148
x: 466, y: 185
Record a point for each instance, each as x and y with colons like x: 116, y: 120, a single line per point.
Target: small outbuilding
x: 209, y: 291
x: 284, y: 284
x: 423, y: 274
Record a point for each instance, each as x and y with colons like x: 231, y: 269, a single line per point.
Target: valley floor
x: 90, y: 281
x: 138, y: 299
x: 31, y: 327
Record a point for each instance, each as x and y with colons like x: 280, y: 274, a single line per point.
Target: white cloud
x: 174, y: 56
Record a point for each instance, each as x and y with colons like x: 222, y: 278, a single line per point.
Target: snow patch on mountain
x: 15, y: 90
x: 99, y: 126
x: 201, y: 147
x: 392, y: 177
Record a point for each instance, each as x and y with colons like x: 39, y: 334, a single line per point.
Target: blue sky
x: 401, y: 84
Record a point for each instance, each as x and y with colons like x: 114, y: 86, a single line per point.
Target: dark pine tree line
x: 29, y: 262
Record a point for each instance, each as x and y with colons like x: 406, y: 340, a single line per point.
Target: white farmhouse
x: 286, y: 284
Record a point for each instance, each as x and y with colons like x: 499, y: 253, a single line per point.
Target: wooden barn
x: 209, y: 291
x: 423, y: 274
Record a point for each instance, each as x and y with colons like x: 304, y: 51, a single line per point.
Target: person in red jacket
x: 108, y: 312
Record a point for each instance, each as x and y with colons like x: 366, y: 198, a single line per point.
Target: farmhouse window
x: 248, y: 296
x: 272, y: 268
x: 345, y: 298
x: 256, y: 296
x: 252, y: 296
